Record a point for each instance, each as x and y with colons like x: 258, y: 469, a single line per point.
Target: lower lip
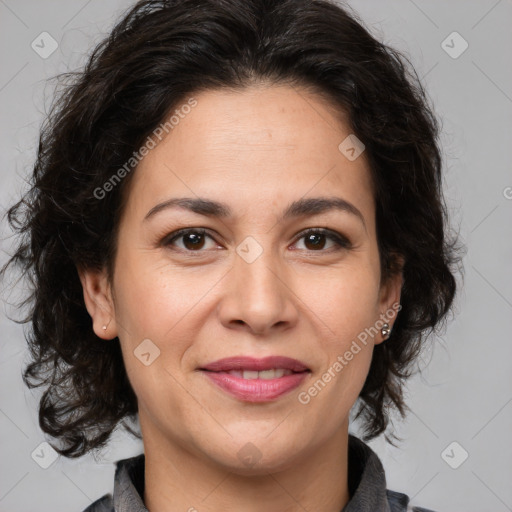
x: 256, y: 390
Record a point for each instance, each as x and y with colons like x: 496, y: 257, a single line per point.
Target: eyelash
x: 341, y: 241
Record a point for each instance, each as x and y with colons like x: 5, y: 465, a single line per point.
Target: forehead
x: 262, y: 144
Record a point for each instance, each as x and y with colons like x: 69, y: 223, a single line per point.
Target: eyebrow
x: 299, y: 208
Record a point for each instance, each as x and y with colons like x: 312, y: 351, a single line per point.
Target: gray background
x: 463, y: 395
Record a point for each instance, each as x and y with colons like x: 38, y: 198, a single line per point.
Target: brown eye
x: 192, y: 239
x: 315, y: 240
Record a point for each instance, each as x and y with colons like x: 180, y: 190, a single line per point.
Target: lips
x: 244, y: 363
x: 256, y: 380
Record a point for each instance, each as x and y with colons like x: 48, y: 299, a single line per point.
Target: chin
x: 252, y: 460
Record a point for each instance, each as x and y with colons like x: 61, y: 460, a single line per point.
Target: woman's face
x: 255, y: 284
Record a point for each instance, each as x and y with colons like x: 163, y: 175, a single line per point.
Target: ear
x: 98, y: 301
x: 389, y: 297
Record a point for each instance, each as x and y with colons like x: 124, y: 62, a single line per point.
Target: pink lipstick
x: 256, y: 380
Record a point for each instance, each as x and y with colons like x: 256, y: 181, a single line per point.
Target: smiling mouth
x: 256, y: 386
x: 273, y: 373
x: 245, y: 363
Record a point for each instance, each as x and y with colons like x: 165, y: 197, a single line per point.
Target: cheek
x: 160, y: 311
x: 343, y: 300
x: 154, y: 299
x: 345, y: 307
x: 350, y: 312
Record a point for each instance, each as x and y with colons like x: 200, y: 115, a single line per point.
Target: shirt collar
x: 366, y: 481
x: 129, y: 485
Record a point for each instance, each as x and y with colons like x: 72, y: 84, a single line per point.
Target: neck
x: 178, y: 480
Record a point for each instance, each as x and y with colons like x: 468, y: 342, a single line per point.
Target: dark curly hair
x: 160, y: 52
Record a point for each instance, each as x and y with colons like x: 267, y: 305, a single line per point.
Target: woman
x: 237, y: 236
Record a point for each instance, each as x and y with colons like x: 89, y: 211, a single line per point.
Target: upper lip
x: 251, y: 363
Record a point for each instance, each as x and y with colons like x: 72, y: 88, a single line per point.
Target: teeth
x: 271, y: 374
x: 265, y: 374
x: 249, y: 374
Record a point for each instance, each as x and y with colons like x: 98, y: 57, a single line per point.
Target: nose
x: 258, y: 297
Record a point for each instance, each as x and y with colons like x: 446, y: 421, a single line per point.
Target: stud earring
x: 105, y: 326
x: 386, y: 331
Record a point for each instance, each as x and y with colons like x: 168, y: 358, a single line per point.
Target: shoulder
x: 399, y: 502
x: 128, y: 488
x: 367, y: 483
x: 103, y: 504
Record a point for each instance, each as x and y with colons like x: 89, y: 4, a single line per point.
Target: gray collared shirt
x: 366, y: 482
